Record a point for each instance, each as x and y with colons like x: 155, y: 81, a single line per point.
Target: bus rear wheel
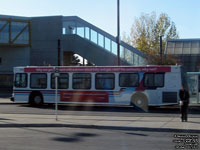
x: 140, y: 101
x: 36, y: 99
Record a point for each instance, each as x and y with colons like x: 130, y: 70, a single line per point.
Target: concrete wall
x: 45, y: 33
x: 13, y: 56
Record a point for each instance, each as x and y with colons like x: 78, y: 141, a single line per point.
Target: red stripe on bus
x: 39, y: 69
x: 99, y: 69
x: 84, y: 96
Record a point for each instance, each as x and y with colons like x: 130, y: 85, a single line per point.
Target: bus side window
x: 128, y: 79
x: 154, y: 80
x: 81, y: 81
x: 159, y: 80
x: 39, y: 80
x: 63, y: 81
x: 105, y: 81
x: 20, y: 80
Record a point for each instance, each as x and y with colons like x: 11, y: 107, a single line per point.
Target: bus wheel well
x: 140, y: 101
x: 36, y: 98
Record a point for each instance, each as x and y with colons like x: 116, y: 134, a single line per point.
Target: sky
x: 103, y: 13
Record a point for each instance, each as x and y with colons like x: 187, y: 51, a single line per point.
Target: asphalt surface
x: 88, y: 127
x: 84, y: 139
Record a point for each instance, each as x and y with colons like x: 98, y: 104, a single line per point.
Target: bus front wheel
x: 140, y: 101
x: 36, y: 99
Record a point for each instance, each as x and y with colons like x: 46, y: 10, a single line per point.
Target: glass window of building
x: 80, y: 31
x: 136, y: 61
x: 122, y: 52
x: 178, y: 48
x: 64, y: 31
x: 4, y: 35
x: 128, y: 56
x: 114, y: 47
x: 100, y: 40
x: 94, y: 36
x: 170, y: 47
x: 186, y: 47
x: 70, y: 27
x: 87, y: 33
x: 195, y: 47
x: 107, y: 44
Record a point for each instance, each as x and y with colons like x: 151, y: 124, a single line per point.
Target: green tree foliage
x: 145, y: 36
x: 166, y: 60
x: 146, y: 31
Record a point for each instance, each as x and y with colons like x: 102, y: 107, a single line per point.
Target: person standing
x: 184, y: 101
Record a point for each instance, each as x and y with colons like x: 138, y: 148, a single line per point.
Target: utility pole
x: 118, y: 32
x: 161, y: 49
x: 59, y: 52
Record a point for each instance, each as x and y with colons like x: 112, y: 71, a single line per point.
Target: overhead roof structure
x: 183, y: 46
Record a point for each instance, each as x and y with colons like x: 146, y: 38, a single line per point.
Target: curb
x: 99, y: 127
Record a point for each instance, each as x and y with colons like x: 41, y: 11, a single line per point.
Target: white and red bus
x: 124, y: 85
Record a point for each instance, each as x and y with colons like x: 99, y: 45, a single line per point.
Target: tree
x: 146, y: 31
x: 166, y: 60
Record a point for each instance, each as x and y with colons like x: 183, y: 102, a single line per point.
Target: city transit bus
x: 141, y: 86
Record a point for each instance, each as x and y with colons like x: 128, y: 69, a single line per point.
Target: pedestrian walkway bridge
x: 97, y: 45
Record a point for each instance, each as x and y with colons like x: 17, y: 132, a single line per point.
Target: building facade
x: 33, y: 41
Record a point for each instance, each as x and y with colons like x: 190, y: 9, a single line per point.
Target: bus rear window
x: 21, y: 80
x: 105, y: 81
x: 128, y: 79
x: 39, y: 81
x: 152, y: 80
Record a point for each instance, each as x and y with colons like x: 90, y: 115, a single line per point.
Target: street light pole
x: 118, y: 32
x: 161, y: 50
x: 59, y: 48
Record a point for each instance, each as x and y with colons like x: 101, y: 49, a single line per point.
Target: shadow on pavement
x: 85, y: 108
x: 131, y: 133
x: 75, y: 137
x: 4, y: 119
x: 120, y: 128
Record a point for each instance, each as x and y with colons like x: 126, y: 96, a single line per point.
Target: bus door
x: 194, y: 88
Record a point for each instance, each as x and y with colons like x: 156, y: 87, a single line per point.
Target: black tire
x: 36, y: 99
x: 140, y: 101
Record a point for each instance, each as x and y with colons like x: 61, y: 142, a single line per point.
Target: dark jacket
x: 184, y: 96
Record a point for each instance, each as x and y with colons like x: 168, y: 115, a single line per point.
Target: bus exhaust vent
x: 169, y: 97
